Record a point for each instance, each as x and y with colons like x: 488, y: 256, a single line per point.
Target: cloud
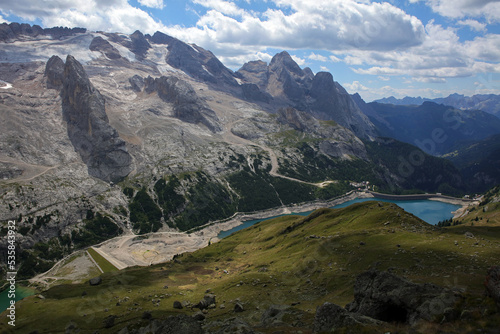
x: 473, y: 24
x: 107, y: 15
x: 490, y: 9
x: 442, y: 55
x: 314, y: 56
x: 221, y: 6
x: 298, y: 24
x: 486, y: 48
x: 355, y: 87
x: 298, y: 60
x: 430, y: 80
x: 335, y: 59
x: 152, y: 3
x: 324, y: 69
x: 2, y: 20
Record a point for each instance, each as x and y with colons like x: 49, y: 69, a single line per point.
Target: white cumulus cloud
x: 489, y: 9
x: 106, y: 15
x: 152, y: 3
x: 317, y: 57
x: 473, y: 24
x: 354, y: 87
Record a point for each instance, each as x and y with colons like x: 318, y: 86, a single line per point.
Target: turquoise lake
x: 430, y: 211
x: 21, y: 292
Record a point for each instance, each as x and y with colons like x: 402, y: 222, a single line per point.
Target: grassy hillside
x: 292, y: 260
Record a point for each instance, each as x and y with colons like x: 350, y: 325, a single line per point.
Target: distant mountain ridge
x: 485, y: 102
x: 435, y: 128
x: 479, y: 162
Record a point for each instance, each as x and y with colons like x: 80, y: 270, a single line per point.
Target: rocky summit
x: 97, y: 142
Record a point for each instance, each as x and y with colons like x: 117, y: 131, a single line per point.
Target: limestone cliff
x: 98, y: 144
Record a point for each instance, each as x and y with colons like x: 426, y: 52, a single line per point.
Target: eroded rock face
x: 140, y: 45
x: 195, y: 61
x: 387, y: 297
x: 102, y: 45
x: 137, y: 83
x: 98, y: 144
x: 54, y: 72
x: 188, y: 107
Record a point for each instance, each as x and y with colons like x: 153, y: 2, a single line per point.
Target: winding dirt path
x: 231, y: 138
x: 29, y: 171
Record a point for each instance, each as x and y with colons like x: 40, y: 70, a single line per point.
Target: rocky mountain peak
x: 197, y: 62
x: 283, y: 61
x: 254, y: 72
x: 140, y: 45
x: 161, y: 38
x: 95, y: 140
x: 322, y: 84
x: 54, y: 72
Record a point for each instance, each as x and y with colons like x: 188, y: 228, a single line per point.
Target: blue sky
x: 427, y: 48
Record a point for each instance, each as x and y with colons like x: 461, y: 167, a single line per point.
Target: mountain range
x: 105, y: 134
x: 435, y: 128
x: 132, y: 135
x: 485, y: 102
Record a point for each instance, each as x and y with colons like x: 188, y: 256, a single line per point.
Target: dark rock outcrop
x: 281, y: 315
x: 98, y: 144
x: 330, y: 317
x: 171, y: 325
x: 102, y: 45
x: 140, y: 45
x: 137, y: 83
x: 188, y: 107
x: 238, y: 307
x: 381, y: 297
x: 54, y: 72
x: 207, y: 300
x: 95, y: 281
x: 387, y: 297
x: 232, y: 325
x: 109, y: 321
x: 492, y: 283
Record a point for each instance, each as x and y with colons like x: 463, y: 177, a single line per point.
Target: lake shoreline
x: 215, y: 228
x: 130, y: 250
